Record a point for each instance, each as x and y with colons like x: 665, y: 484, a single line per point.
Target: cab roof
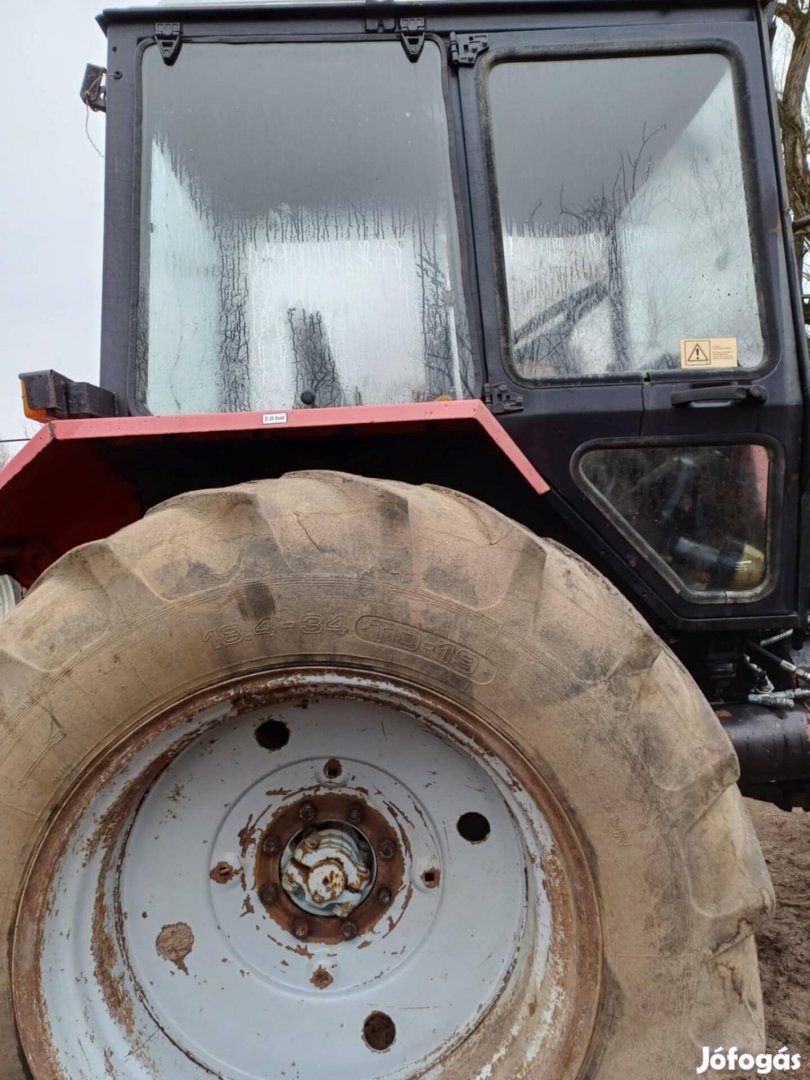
x: 224, y: 8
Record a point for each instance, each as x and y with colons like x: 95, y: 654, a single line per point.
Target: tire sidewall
x: 562, y: 720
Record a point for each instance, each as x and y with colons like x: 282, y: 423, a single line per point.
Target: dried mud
x: 784, y: 944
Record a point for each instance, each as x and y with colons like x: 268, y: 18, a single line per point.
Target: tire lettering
x: 449, y: 654
x: 311, y: 623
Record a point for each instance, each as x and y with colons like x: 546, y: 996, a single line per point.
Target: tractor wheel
x: 327, y: 776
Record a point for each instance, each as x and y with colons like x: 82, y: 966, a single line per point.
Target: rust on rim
x: 570, y: 993
x: 286, y: 825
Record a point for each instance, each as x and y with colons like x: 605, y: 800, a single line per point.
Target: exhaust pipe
x: 772, y: 745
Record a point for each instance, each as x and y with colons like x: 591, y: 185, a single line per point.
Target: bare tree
x: 793, y: 118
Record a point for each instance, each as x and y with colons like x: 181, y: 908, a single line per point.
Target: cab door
x: 635, y: 293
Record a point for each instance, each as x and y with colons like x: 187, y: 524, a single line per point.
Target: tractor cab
x: 576, y: 215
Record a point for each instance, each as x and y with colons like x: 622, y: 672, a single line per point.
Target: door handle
x: 734, y: 394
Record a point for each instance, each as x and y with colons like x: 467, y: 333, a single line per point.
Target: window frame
x: 203, y: 32
x: 776, y: 471
x: 629, y: 47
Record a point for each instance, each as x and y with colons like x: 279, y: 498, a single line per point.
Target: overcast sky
x: 51, y: 184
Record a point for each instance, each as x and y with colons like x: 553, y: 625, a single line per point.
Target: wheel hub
x: 328, y: 870
x: 346, y: 861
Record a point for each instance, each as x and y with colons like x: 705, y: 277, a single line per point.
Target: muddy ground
x: 784, y: 945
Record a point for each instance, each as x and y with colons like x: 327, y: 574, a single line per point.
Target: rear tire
x: 517, y: 644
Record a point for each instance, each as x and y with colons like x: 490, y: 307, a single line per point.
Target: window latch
x: 498, y: 398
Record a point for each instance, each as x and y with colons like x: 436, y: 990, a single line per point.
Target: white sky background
x: 51, y: 197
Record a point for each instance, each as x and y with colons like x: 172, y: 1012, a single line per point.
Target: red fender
x: 80, y: 480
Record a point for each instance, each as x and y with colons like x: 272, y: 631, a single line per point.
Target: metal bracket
x: 498, y: 398
x: 93, y: 90
x: 412, y: 35
x: 168, y: 40
x: 56, y: 397
x: 380, y: 17
x: 466, y: 48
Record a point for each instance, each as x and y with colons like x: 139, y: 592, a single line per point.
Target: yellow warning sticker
x: 718, y: 352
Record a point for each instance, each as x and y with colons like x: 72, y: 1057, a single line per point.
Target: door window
x: 626, y: 239
x: 701, y: 513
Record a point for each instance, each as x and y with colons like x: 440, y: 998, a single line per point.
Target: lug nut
x: 313, y: 841
x: 306, y: 811
x: 270, y: 845
x: 348, y: 930
x: 355, y: 813
x: 268, y: 894
x: 384, y: 897
x: 301, y: 928
x: 332, y: 769
x: 387, y: 849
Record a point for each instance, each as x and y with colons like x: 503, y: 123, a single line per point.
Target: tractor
x: 412, y: 602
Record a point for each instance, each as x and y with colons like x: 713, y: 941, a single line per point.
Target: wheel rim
x: 159, y: 907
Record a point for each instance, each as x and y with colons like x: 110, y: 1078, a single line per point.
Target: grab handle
x: 733, y: 394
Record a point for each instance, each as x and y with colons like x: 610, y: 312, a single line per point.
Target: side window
x: 626, y: 242
x: 700, y: 512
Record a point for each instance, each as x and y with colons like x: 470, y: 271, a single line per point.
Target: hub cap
x: 328, y: 870
x: 302, y: 863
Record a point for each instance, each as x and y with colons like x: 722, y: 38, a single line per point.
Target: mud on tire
x: 371, y: 575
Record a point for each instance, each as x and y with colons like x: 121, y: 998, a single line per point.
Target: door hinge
x: 168, y: 40
x: 412, y: 36
x: 466, y: 48
x: 498, y: 398
x: 94, y: 88
x: 380, y: 17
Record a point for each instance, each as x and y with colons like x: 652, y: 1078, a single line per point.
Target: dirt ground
x: 784, y: 945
